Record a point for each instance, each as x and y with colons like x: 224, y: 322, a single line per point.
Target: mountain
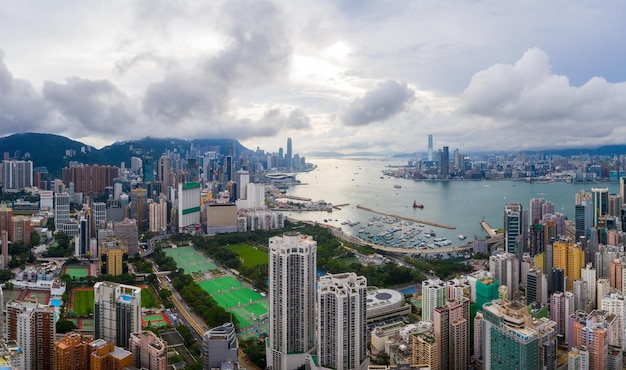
x: 55, y: 152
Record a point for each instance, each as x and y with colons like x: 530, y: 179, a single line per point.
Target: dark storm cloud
x: 257, y: 51
x: 21, y: 107
x: 98, y: 106
x: 384, y: 101
x: 271, y: 123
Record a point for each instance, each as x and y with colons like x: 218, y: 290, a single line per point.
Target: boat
x: 462, y: 237
x: 415, y: 205
x: 397, y: 186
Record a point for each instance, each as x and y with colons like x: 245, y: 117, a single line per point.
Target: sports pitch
x: 76, y: 272
x: 219, y: 285
x: 190, y: 259
x: 250, y: 255
x: 82, y: 301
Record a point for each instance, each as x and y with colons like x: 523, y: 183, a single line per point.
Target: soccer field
x: 251, y: 255
x: 83, y: 302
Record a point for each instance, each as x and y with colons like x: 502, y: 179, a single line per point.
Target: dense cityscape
x: 188, y: 259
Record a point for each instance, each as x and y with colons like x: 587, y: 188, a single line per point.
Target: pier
x: 293, y: 197
x: 338, y: 206
x: 487, y: 228
x: 408, y: 218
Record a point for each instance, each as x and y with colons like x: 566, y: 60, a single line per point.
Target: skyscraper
x: 117, y: 312
x: 445, y: 162
x: 292, y: 266
x: 289, y: 156
x: 149, y: 351
x: 33, y: 327
x: 434, y: 294
x: 219, y: 345
x: 513, y: 227
x: 342, y: 332
x: 71, y: 352
x: 430, y: 147
x: 591, y: 331
x: 505, y: 268
x: 452, y: 326
x: 600, y: 200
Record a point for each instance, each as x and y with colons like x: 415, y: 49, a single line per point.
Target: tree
x: 35, y: 239
x: 64, y: 326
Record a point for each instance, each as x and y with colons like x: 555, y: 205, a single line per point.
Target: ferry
x: 415, y: 205
x: 462, y: 236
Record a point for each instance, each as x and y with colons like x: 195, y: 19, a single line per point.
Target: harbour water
x: 458, y: 203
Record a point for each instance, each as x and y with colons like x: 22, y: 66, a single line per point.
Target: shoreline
x: 434, y: 224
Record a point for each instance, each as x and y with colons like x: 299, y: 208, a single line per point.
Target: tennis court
x: 190, y: 259
x: 236, y: 297
x: 157, y: 320
x: 220, y: 285
x: 76, y: 272
x: 12, y: 295
x: 38, y: 296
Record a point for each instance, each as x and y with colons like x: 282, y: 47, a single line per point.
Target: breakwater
x: 407, y: 218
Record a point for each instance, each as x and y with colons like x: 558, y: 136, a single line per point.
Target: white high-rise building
x: 220, y: 347
x: 292, y: 268
x: 588, y: 274
x: 434, y: 294
x: 505, y: 268
x: 61, y: 210
x: 16, y: 175
x: 117, y: 312
x: 188, y: 205
x: 615, y: 303
x: 342, y: 332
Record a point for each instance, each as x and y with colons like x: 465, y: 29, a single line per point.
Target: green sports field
x: 83, y: 302
x: 235, y: 297
x: 147, y: 299
x: 76, y: 271
x: 250, y: 255
x: 190, y: 259
x: 220, y: 285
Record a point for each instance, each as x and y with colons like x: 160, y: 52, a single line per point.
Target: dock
x: 407, y: 218
x: 487, y: 228
x: 293, y: 197
x: 338, y: 206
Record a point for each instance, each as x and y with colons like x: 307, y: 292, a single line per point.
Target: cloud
x: 21, y: 107
x: 384, y: 101
x: 98, y: 106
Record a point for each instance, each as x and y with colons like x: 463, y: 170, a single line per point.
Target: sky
x: 334, y: 75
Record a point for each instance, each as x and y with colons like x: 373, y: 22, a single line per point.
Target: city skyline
x: 334, y: 76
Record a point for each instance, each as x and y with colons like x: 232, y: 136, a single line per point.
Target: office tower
x: 61, y: 210
x: 163, y: 172
x: 33, y: 327
x: 193, y: 170
x: 126, y: 231
x: 113, y: 255
x: 72, y: 352
x: 149, y: 351
x: 147, y: 166
x: 591, y: 331
x: 434, y: 294
x: 557, y: 311
x: 228, y: 169
x: 188, y: 205
x: 445, y: 162
x: 84, y: 235
x: 139, y: 207
x: 243, y: 179
x: 614, y: 303
x: 89, y: 179
x: 512, y: 339
x: 106, y: 356
x: 117, y: 312
x: 16, y: 175
x: 569, y: 257
x: 557, y: 282
x: 588, y: 274
x: 342, y: 324
x: 289, y: 156
x: 616, y: 270
x: 600, y: 199
x: 513, y: 225
x: 505, y: 268
x: 158, y: 215
x: 451, y: 324
x: 578, y: 358
x: 292, y: 266
x: 99, y: 214
x: 614, y: 205
x: 583, y: 217
x: 430, y: 147
x: 534, y: 285
x: 220, y: 346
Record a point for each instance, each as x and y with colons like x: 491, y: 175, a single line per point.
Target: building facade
x: 117, y: 312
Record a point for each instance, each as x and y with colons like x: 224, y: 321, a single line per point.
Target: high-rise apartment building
x: 570, y: 257
x: 424, y: 349
x: 72, y: 352
x: 557, y: 311
x: 588, y: 274
x: 452, y: 327
x: 33, y: 327
x: 16, y: 175
x: 616, y: 269
x: 591, y: 331
x: 615, y: 303
x: 536, y: 210
x: 158, y: 215
x: 342, y: 331
x: 220, y: 346
x: 127, y: 232
x: 292, y: 267
x: 89, y: 179
x: 117, y: 312
x: 534, y: 286
x: 149, y: 351
x: 434, y: 294
x: 62, y: 220
x: 164, y: 173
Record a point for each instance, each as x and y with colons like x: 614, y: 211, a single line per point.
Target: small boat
x: 415, y: 205
x: 397, y: 186
x: 462, y: 237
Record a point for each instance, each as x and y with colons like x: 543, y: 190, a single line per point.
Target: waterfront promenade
x: 487, y: 228
x: 407, y: 218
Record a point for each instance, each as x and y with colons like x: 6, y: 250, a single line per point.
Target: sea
x: 352, y: 181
